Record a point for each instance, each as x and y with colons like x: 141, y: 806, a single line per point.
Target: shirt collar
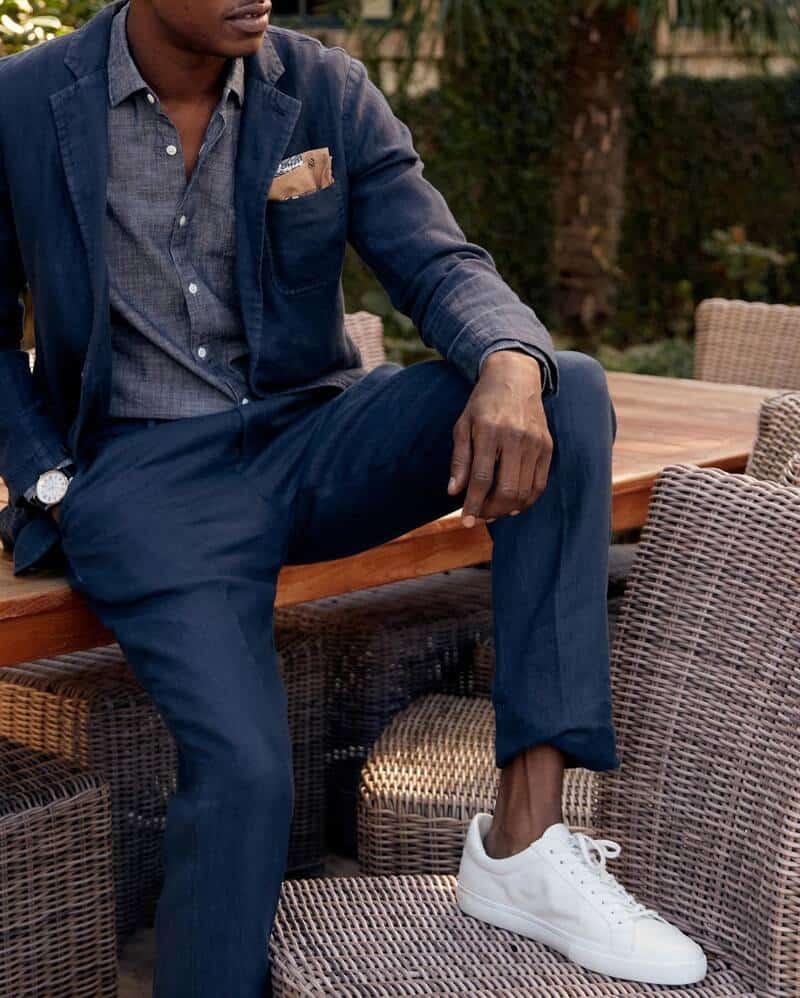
x: 125, y: 79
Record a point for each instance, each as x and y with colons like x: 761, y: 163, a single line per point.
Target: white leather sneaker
x: 559, y: 892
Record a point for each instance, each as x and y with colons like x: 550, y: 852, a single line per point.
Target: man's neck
x: 176, y: 74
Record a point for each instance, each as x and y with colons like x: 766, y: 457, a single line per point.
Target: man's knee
x: 252, y: 773
x: 583, y: 408
x: 581, y: 376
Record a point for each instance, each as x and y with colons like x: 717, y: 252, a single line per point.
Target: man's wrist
x: 546, y: 364
x: 496, y: 356
x: 30, y: 498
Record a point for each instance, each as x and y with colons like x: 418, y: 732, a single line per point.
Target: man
x: 177, y: 184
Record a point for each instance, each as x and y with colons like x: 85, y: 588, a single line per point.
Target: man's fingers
x: 527, y: 478
x: 505, y: 491
x: 461, y: 459
x: 484, y: 456
x: 542, y: 467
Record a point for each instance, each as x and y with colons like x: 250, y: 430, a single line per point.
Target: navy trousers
x: 175, y: 531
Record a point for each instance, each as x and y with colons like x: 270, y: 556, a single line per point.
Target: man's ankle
x: 500, y: 843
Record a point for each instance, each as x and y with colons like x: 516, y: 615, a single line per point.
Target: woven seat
x: 747, y: 343
x: 57, y: 911
x: 431, y: 770
x: 387, y: 937
x: 380, y: 648
x: 88, y: 708
x: 705, y: 803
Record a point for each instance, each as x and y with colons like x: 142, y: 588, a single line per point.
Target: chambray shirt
x: 178, y: 341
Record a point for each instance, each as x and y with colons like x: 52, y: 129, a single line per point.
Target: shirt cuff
x: 547, y: 381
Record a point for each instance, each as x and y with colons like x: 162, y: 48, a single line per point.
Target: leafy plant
x: 24, y: 23
x: 747, y: 269
x: 672, y: 358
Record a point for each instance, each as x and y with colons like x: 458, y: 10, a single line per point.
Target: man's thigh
x: 178, y: 555
x: 165, y: 506
x: 378, y: 461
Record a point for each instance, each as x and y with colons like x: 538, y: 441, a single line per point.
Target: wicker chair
x: 89, y: 709
x: 747, y: 343
x: 778, y: 441
x: 706, y: 802
x: 378, y: 650
x: 366, y: 331
x: 706, y: 679
x: 56, y: 881
x: 431, y: 770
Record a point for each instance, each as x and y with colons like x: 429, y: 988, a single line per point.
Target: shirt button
x: 171, y: 150
x: 245, y: 401
x: 201, y: 351
x: 151, y: 98
x: 182, y: 220
x: 193, y: 288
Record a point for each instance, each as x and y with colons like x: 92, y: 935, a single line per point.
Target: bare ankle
x: 500, y: 842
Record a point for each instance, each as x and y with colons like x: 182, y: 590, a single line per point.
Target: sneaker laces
x: 585, y: 847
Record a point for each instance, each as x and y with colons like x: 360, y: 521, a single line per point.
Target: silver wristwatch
x: 51, y: 486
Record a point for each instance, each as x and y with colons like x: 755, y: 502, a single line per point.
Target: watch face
x: 51, y: 487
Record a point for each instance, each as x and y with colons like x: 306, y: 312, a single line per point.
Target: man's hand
x: 504, y: 421
x: 55, y: 511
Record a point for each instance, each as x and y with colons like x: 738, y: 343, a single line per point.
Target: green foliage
x: 708, y: 155
x: 672, y: 358
x: 24, y: 23
x: 747, y: 270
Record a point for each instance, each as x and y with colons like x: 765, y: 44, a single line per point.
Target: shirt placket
x: 194, y: 289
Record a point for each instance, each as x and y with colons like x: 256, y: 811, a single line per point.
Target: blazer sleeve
x: 402, y: 227
x: 30, y: 441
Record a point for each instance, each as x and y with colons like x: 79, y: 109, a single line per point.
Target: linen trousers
x: 175, y: 531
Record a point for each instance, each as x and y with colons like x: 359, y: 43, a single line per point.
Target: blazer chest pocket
x: 307, y: 240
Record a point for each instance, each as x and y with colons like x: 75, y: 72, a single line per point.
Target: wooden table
x: 661, y: 421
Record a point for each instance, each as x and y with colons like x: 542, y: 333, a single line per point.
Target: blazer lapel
x: 81, y: 115
x: 268, y: 120
x: 80, y: 112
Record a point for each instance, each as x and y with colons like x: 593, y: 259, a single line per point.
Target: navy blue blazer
x: 300, y: 94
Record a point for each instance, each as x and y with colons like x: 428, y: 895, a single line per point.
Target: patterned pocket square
x: 303, y: 173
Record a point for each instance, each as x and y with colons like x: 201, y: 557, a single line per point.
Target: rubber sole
x: 577, y: 951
